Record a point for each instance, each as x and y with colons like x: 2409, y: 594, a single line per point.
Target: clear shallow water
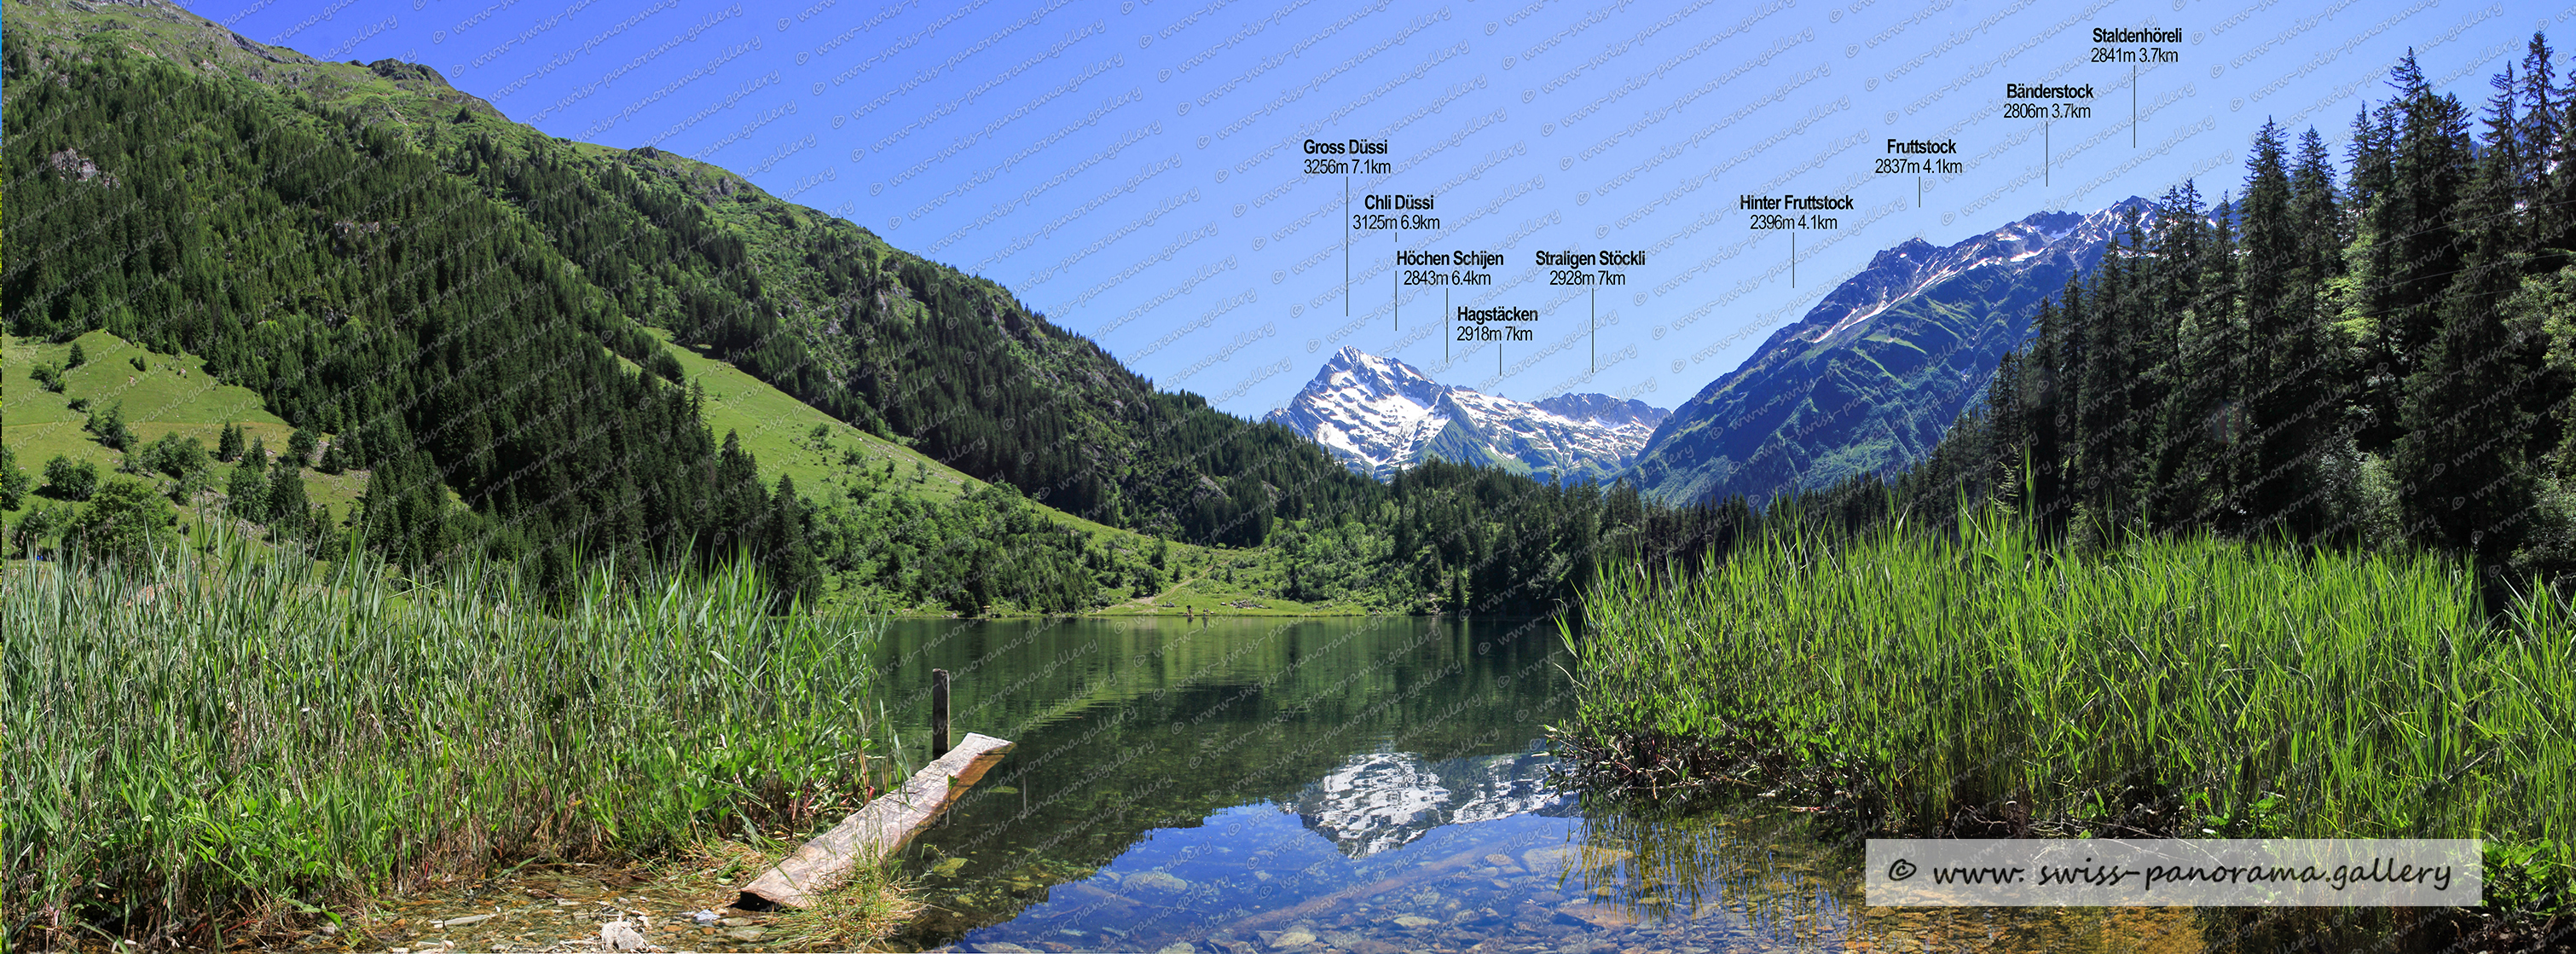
x: 1354, y: 785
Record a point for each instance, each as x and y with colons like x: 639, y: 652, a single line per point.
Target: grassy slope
x: 778, y: 429
x: 172, y: 394
x: 175, y: 395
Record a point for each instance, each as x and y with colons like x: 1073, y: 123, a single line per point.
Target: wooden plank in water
x: 879, y: 829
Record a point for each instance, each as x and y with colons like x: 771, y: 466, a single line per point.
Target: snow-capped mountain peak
x: 1380, y: 415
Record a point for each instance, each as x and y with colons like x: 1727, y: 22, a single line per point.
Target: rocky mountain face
x: 1873, y: 375
x: 1379, y: 416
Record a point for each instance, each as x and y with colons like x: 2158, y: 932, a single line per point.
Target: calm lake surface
x: 1355, y: 785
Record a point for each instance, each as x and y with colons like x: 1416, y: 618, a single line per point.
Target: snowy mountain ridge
x: 1380, y: 416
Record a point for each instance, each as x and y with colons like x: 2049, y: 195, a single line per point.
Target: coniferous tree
x: 2006, y: 430
x: 2184, y: 452
x: 788, y: 559
x: 2464, y: 484
x: 2285, y: 368
x: 2043, y: 399
x: 2536, y: 137
x: 246, y: 490
x: 288, y: 510
x: 2414, y: 222
x: 228, y: 446
x: 2324, y: 397
x: 2110, y: 366
x: 299, y: 448
x: 2555, y: 146
x: 405, y: 514
x: 2317, y: 209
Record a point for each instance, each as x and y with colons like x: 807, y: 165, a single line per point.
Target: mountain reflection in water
x: 1384, y: 800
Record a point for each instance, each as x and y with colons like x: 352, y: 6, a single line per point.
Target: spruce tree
x: 788, y: 560
x: 2185, y: 451
x: 2043, y: 398
x: 2543, y: 124
x: 288, y: 511
x: 2284, y: 371
x: 299, y: 448
x: 2419, y: 216
x: 2463, y: 483
x: 2557, y: 223
x: 246, y: 491
x: 2006, y: 431
x: 2316, y: 206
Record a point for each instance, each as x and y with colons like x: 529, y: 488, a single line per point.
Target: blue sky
x: 1138, y: 170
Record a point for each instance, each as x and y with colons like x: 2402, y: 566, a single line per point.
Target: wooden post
x: 938, y: 713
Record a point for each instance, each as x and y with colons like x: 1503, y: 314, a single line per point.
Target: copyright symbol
x: 1901, y: 870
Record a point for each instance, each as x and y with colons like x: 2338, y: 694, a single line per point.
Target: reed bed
x: 1983, y: 681
x: 226, y: 735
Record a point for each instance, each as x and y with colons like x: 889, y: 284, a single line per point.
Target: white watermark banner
x: 2173, y: 872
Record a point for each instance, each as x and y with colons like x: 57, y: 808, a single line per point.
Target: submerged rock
x: 621, y: 936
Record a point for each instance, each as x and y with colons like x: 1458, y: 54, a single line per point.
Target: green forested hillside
x: 331, y: 267
x: 828, y: 313
x: 508, y: 345
x: 444, y: 298
x: 2380, y: 355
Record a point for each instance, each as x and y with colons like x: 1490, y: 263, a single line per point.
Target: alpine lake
x: 1358, y: 785
x: 1353, y: 785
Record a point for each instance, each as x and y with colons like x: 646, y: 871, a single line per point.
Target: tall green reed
x: 234, y: 727
x: 2179, y: 686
